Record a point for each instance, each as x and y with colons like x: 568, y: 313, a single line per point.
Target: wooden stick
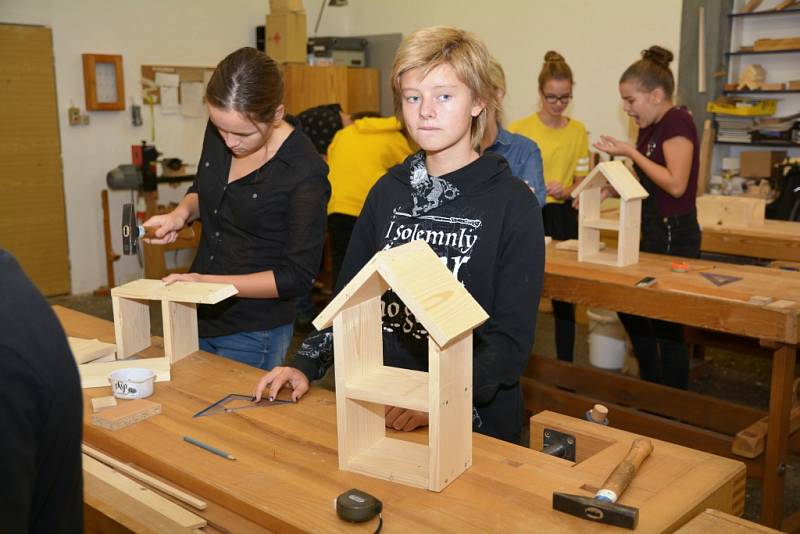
x: 143, y: 477
x: 622, y: 475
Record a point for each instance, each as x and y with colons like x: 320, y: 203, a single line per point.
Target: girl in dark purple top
x: 666, y: 159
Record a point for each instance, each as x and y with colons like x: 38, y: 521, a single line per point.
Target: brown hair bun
x: 658, y: 55
x: 552, y: 57
x: 554, y: 68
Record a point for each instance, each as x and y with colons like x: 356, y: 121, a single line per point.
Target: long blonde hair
x: 427, y: 48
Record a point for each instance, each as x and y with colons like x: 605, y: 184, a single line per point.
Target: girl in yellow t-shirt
x: 565, y: 155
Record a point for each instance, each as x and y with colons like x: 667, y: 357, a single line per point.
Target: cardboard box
x: 285, y: 6
x: 286, y: 37
x: 759, y: 164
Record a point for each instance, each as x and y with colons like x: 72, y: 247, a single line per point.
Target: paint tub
x: 606, y: 340
x: 132, y: 383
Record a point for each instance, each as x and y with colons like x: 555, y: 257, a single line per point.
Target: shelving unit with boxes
x: 763, y: 43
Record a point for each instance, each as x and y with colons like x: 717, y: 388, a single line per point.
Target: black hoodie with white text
x: 486, y: 227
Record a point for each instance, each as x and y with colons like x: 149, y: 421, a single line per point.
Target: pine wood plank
x: 131, y: 325
x: 438, y: 300
x: 180, y: 329
x: 391, y: 386
x: 178, y: 515
x: 143, y: 477
x: 449, y: 411
x: 197, y: 292
x: 115, y: 509
x: 87, y: 350
x: 95, y: 374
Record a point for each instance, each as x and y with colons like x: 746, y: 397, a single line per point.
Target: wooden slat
x: 607, y: 387
x: 144, y: 477
x: 197, y: 292
x: 95, y: 374
x: 180, y: 517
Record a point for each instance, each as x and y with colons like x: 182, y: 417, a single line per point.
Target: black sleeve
x: 502, y: 345
x: 315, y: 354
x: 306, y: 227
x: 20, y: 414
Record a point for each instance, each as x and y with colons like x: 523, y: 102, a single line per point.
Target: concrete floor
x: 734, y: 377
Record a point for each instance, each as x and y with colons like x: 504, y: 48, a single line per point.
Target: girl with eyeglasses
x: 565, y: 154
x: 666, y: 159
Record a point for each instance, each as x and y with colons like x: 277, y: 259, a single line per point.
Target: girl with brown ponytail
x: 261, y: 191
x: 565, y: 156
x: 665, y: 158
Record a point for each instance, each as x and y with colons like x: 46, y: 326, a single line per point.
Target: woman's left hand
x: 182, y: 277
x: 613, y: 146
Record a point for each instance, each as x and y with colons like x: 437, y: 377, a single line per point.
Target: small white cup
x: 132, y: 383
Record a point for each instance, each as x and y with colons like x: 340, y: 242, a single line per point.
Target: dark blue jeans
x: 660, y: 346
x: 264, y: 349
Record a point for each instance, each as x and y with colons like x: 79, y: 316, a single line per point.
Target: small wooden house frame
x: 132, y: 323
x: 364, y: 384
x: 627, y: 226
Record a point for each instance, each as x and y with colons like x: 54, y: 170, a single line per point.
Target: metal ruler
x: 235, y: 402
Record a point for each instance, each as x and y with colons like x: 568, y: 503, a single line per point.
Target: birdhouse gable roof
x: 424, y: 284
x: 620, y: 178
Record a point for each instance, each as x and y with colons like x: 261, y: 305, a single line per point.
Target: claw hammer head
x: 130, y: 231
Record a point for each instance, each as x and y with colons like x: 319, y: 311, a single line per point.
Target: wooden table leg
x: 780, y: 404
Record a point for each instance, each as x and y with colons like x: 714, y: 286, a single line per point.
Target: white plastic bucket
x: 132, y: 383
x: 606, y: 340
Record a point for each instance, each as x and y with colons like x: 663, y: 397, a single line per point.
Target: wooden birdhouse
x: 364, y: 385
x: 132, y: 324
x: 627, y: 226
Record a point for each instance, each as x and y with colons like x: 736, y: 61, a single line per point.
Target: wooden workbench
x: 286, y: 474
x: 775, y: 240
x: 690, y: 299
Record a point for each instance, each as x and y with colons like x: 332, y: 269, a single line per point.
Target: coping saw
x: 220, y: 406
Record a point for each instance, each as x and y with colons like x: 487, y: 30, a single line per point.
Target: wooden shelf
x: 602, y: 224
x: 763, y: 13
x: 605, y: 257
x: 761, y: 52
x: 391, y: 386
x: 395, y: 460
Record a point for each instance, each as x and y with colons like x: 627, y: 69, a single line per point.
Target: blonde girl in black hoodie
x: 484, y: 224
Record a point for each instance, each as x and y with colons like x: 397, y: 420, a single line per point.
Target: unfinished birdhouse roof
x: 199, y: 292
x: 620, y: 178
x: 414, y: 271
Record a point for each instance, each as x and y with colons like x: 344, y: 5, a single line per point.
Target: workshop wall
x: 598, y: 39
x: 194, y: 33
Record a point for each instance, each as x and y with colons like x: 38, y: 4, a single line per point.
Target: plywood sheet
x: 33, y: 223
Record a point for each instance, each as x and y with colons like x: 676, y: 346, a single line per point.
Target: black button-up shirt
x: 273, y: 219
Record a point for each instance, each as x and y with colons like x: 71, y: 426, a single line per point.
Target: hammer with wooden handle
x: 603, y: 507
x: 131, y: 232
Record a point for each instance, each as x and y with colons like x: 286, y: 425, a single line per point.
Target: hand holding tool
x: 602, y: 507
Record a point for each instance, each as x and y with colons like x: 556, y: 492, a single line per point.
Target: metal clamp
x: 558, y: 444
